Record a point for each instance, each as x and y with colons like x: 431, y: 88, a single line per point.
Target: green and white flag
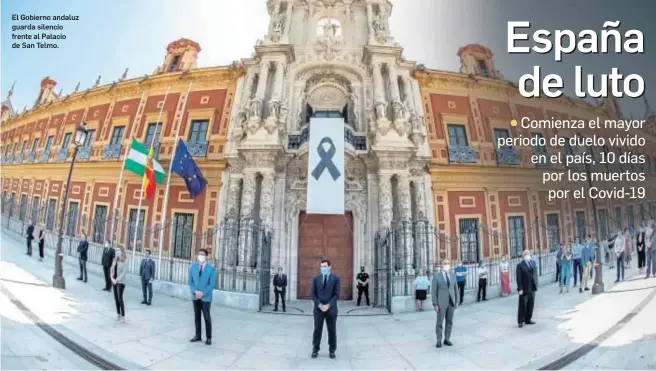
x: 137, y: 160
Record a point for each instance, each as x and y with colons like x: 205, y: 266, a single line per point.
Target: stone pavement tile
x: 387, y: 363
x: 282, y: 339
x: 5, y: 349
x: 165, y: 343
x: 324, y: 363
x: 141, y: 354
x: 201, y: 353
x: 411, y: 348
x: 406, y: 336
x: 228, y: 343
x: 177, y: 363
x: 265, y: 350
x: 442, y: 359
x: 268, y: 363
x: 372, y: 351
x: 492, y: 355
x: 372, y: 339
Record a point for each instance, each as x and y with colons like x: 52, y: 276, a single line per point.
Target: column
x: 378, y: 82
x: 384, y: 201
x: 288, y: 19
x: 278, y: 77
x: 394, y: 82
x: 370, y: 26
x: 262, y: 80
x: 248, y: 88
x: 407, y: 91
x: 406, y: 217
x: 423, y: 227
x: 246, y: 222
x: 266, y: 200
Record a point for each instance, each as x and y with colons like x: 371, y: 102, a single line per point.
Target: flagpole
x: 120, y: 180
x: 143, y: 180
x: 168, y: 184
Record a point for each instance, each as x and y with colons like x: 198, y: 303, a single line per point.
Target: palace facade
x: 420, y: 148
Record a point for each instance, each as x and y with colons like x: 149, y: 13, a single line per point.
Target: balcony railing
x: 112, y: 151
x: 45, y: 156
x: 508, y: 156
x: 19, y: 158
x: 10, y: 159
x: 462, y: 155
x: 197, y: 148
x: 61, y: 155
x: 31, y: 156
x: 83, y: 154
x: 359, y: 142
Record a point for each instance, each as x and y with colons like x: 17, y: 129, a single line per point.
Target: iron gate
x: 264, y: 267
x: 383, y: 270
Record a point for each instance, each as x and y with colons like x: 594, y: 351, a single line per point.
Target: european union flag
x: 185, y: 166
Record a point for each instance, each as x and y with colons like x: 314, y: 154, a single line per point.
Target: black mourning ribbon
x: 326, y: 162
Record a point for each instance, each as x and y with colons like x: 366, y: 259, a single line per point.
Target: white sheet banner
x: 325, y: 193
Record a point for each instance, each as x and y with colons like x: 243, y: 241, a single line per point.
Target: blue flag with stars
x: 185, y: 166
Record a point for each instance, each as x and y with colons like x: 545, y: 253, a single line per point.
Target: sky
x: 113, y: 35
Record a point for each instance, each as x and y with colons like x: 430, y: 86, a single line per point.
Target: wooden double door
x: 325, y: 237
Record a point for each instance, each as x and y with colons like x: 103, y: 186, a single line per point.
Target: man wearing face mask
x: 279, y: 289
x: 147, y: 274
x: 526, y: 288
x: 202, y: 279
x: 325, y: 292
x: 363, y: 285
x: 82, y: 255
x: 444, y: 292
x: 106, y: 262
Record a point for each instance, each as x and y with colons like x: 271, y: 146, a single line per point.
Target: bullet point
x: 513, y: 122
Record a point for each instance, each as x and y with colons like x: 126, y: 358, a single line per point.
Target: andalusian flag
x: 149, y: 177
x: 138, y: 159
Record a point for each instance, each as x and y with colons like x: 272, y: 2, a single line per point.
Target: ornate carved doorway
x: 325, y: 237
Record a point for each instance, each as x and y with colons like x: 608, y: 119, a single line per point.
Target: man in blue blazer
x: 202, y: 280
x: 325, y: 291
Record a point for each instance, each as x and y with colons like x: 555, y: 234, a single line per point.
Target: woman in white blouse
x: 504, y: 273
x: 481, y: 272
x: 421, y: 288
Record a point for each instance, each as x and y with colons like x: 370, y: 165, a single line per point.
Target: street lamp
x: 58, y: 279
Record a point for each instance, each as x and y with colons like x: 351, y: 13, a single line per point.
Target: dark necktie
x: 200, y: 271
x: 325, y: 278
x: 448, y: 281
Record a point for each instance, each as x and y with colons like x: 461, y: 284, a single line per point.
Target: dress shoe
x: 148, y: 303
x: 195, y: 339
x: 530, y: 323
x: 85, y: 280
x: 208, y: 342
x: 448, y: 343
x: 332, y: 355
x: 143, y: 302
x: 79, y: 278
x: 315, y: 354
x: 521, y: 325
x: 275, y: 309
x: 438, y: 345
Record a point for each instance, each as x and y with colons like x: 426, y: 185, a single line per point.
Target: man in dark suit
x: 363, y: 285
x: 147, y: 274
x: 325, y: 291
x: 106, y: 262
x: 444, y: 292
x: 202, y: 280
x: 82, y: 255
x: 29, y: 233
x: 526, y: 288
x: 279, y: 288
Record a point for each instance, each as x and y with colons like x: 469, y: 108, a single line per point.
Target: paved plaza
x: 157, y: 337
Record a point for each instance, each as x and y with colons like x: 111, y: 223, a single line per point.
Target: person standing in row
x: 421, y: 289
x: 576, y: 259
x: 325, y: 292
x: 619, y: 246
x: 559, y: 256
x: 481, y: 273
x: 505, y: 277
x: 526, y: 288
x: 588, y: 260
x: 82, y: 255
x: 363, y: 285
x: 42, y: 243
x: 640, y: 247
x: 106, y: 262
x: 119, y: 274
x: 202, y: 279
x: 565, y: 269
x: 650, y: 249
x: 29, y: 235
x: 628, y: 248
x: 445, y: 301
x: 279, y: 289
x: 461, y: 278
x: 147, y: 274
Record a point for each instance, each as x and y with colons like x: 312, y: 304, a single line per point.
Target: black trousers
x: 83, y: 269
x: 461, y: 289
x: 330, y: 317
x: 557, y: 272
x: 41, y: 248
x: 482, y: 289
x: 29, y: 246
x: 108, y: 281
x: 363, y: 289
x: 147, y: 288
x: 620, y: 267
x: 280, y: 295
x: 641, y: 258
x: 525, y: 308
x: 119, y: 288
x: 578, y: 271
x: 203, y: 307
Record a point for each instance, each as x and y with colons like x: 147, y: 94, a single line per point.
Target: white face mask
x: 201, y: 258
x: 446, y: 267
x: 527, y: 257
